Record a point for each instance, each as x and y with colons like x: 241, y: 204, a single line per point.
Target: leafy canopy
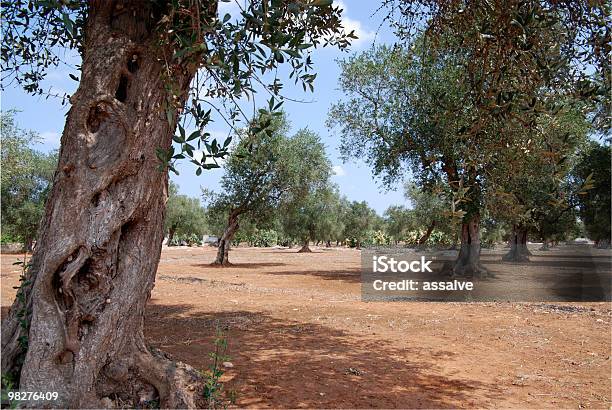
x: 26, y: 179
x: 236, y: 55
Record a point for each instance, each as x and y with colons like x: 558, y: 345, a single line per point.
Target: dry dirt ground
x: 299, y: 336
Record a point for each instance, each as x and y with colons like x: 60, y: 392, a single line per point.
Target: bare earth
x: 299, y: 336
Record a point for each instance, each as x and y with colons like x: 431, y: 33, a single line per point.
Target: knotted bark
x: 95, y: 261
x: 468, y: 261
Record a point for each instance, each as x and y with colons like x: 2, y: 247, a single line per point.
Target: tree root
x: 149, y: 379
x: 305, y: 249
x: 178, y: 384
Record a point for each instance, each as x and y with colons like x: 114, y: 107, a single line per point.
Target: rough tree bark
x: 468, y: 260
x: 225, y: 241
x: 518, y: 246
x: 95, y: 261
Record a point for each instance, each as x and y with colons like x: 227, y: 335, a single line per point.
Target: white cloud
x: 364, y: 35
x: 338, y: 171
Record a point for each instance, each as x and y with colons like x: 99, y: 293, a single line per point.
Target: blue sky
x: 46, y: 116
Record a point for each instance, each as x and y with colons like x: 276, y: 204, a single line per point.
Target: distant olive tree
x: 185, y: 216
x: 26, y: 179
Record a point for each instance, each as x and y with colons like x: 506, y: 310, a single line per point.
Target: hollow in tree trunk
x: 518, y: 246
x: 222, y: 258
x: 468, y: 260
x: 305, y: 247
x: 95, y: 261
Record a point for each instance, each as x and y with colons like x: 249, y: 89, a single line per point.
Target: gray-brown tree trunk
x: 305, y: 247
x: 427, y: 234
x: 468, y: 261
x: 95, y: 261
x: 225, y: 241
x: 518, y: 246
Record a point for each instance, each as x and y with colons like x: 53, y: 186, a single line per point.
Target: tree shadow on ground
x: 345, y: 275
x: 291, y: 251
x: 286, y: 364
x: 566, y: 262
x: 241, y: 265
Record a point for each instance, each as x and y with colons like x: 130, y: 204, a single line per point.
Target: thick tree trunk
x: 305, y: 247
x: 468, y: 260
x: 226, y: 240
x: 100, y: 242
x: 425, y: 237
x: 518, y: 246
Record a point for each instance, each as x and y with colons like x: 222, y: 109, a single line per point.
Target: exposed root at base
x: 151, y: 380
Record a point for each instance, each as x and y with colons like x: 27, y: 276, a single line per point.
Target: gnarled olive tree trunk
x: 95, y: 261
x: 518, y: 245
x: 305, y: 247
x: 226, y: 239
x: 468, y: 260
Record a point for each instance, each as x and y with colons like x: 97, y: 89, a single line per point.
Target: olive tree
x: 26, y: 179
x: 439, y: 100
x: 184, y: 215
x: 533, y: 193
x: 309, y: 196
x: 593, y: 169
x: 253, y: 182
x: 359, y: 221
x: 148, y: 68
